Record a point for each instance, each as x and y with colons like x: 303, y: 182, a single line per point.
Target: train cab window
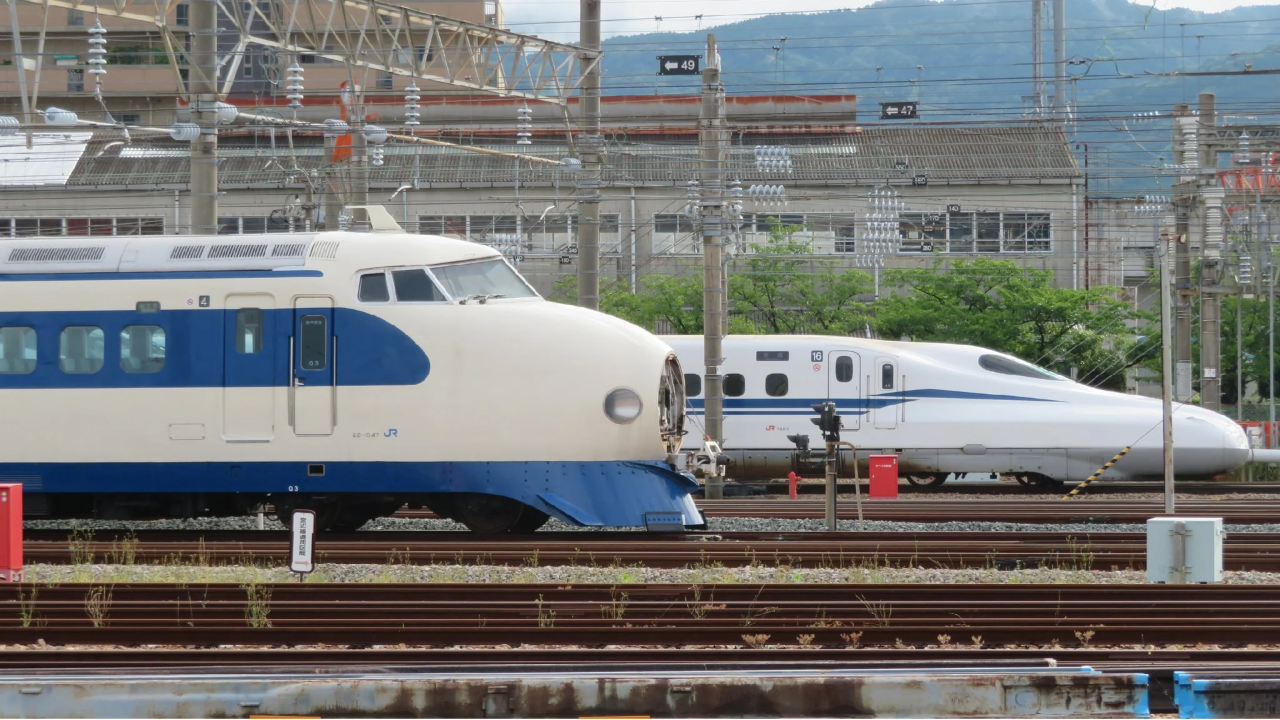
x: 692, y: 385
x: 416, y: 286
x: 17, y: 350
x: 886, y: 376
x: 485, y: 277
x: 81, y: 350
x: 1012, y: 366
x: 844, y: 369
x: 313, y: 343
x: 734, y: 385
x: 142, y: 349
x: 373, y: 288
x: 775, y: 384
x: 249, y: 331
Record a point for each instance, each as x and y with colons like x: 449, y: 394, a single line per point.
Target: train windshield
x: 487, y: 278
x: 1012, y: 366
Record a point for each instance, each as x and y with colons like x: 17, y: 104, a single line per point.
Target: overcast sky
x: 557, y: 19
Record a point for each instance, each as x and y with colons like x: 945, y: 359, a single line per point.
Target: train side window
x: 886, y: 376
x: 416, y: 286
x: 734, y: 385
x: 313, y: 343
x: 844, y: 369
x: 775, y: 384
x: 249, y: 331
x: 692, y: 385
x: 373, y: 288
x: 17, y: 350
x: 142, y: 349
x: 81, y: 349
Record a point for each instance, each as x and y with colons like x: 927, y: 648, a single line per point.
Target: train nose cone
x: 1209, y: 431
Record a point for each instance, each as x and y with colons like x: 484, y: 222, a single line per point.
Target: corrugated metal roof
x: 943, y: 153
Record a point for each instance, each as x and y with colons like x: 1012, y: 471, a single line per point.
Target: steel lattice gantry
x: 372, y: 36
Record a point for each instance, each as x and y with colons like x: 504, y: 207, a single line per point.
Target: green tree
x: 998, y: 305
x: 675, y: 299
x: 782, y: 290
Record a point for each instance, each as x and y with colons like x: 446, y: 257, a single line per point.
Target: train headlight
x: 622, y: 405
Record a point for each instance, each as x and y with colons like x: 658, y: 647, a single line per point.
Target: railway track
x: 1098, y: 511
x: 990, y: 488
x: 830, y: 616
x: 999, y: 550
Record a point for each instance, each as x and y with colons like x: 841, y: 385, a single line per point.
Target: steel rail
x: 832, y: 616
x: 998, y: 550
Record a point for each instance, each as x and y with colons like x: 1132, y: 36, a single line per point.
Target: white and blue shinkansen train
x: 349, y: 373
x: 945, y: 409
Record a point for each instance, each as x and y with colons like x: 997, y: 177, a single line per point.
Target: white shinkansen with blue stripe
x: 945, y: 409
x: 348, y: 373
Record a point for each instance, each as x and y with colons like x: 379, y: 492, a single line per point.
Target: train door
x: 313, y: 395
x: 844, y: 375
x: 248, y: 395
x: 887, y: 393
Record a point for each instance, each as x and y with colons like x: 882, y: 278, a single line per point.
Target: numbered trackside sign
x: 304, y: 540
x: 679, y: 64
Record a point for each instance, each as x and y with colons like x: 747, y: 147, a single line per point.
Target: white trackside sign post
x: 304, y: 540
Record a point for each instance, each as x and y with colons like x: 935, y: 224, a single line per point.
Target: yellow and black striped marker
x: 1076, y: 490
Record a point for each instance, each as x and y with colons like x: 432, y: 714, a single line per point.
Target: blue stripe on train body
x: 593, y: 493
x: 853, y: 406
x: 370, y: 350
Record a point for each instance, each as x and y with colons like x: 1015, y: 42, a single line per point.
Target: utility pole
x: 591, y: 145
x: 1166, y: 363
x: 203, y: 86
x: 1037, y: 57
x: 1155, y: 207
x: 1060, y: 61
x: 1184, y: 293
x: 712, y: 140
x: 1201, y: 156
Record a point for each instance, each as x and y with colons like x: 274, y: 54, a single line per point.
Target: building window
x: 981, y: 232
x: 142, y: 349
x: 384, y: 81
x: 80, y: 350
x: 313, y: 342
x: 775, y: 384
x: 844, y: 369
x: 130, y: 118
x: 75, y: 81
x: 249, y: 331
x: 75, y: 18
x: 692, y: 385
x: 415, y: 286
x: 17, y: 350
x: 734, y: 385
x: 183, y: 18
x: 373, y: 288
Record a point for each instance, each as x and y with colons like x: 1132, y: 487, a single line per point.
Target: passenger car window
x: 416, y: 286
x: 249, y: 330
x: 844, y: 368
x: 373, y: 288
x: 81, y: 350
x: 692, y: 385
x: 886, y: 376
x: 487, y: 277
x: 313, y: 342
x: 734, y: 385
x: 775, y: 384
x: 17, y: 350
x: 142, y: 349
